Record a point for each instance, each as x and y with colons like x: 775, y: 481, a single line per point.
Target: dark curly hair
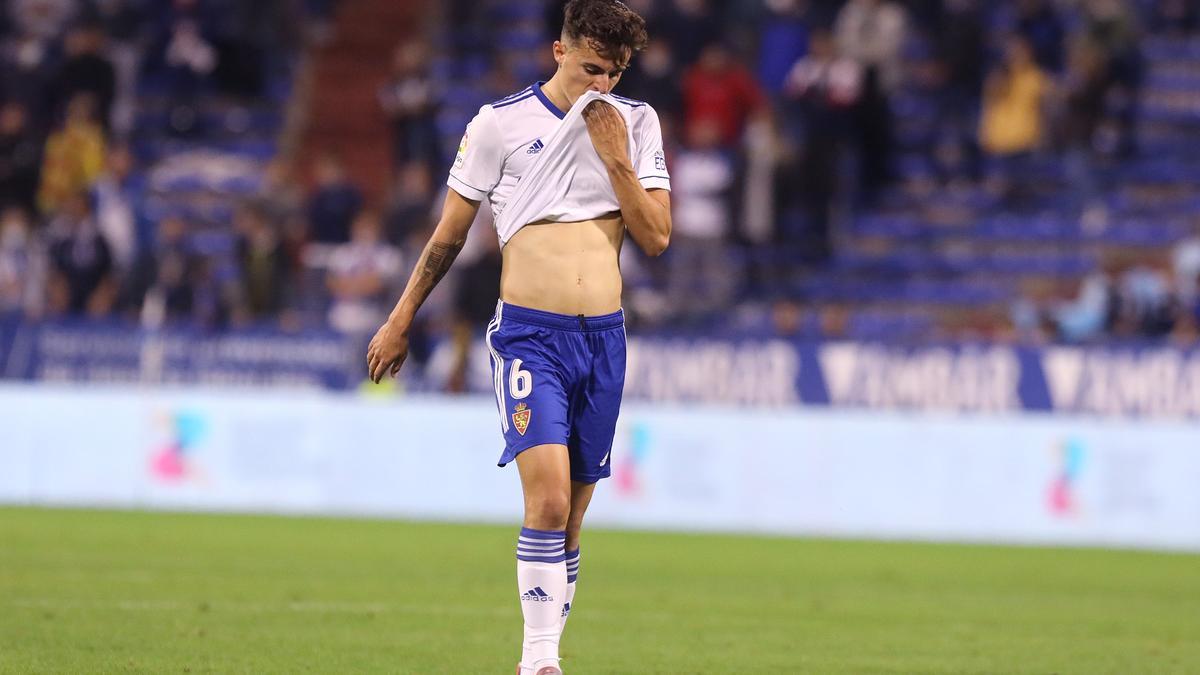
x: 611, y: 28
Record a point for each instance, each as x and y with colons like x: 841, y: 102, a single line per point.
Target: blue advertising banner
x: 85, y: 352
x: 1132, y: 381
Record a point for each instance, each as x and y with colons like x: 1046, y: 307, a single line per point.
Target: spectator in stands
x: 22, y: 263
x: 1012, y: 121
x: 653, y: 77
x: 1112, y: 29
x: 1028, y: 318
x: 1178, y: 16
x: 74, y: 155
x: 361, y: 273
x: 701, y: 280
x: 81, y: 259
x: 166, y: 274
x: 410, y: 101
x: 280, y: 195
x: 190, y: 61
x: 44, y: 20
x: 1040, y: 24
x: 476, y: 288
x: 408, y: 209
x: 320, y: 20
x: 26, y: 76
x: 124, y: 24
x: 211, y: 296
x: 20, y: 159
x: 1147, y: 307
x: 872, y: 32
x: 959, y: 42
x: 247, y: 40
x: 86, y: 70
x: 334, y: 203
x: 1187, y: 321
x: 688, y: 26
x: 118, y: 197
x: 1187, y: 327
x: 834, y: 321
x: 500, y: 80
x: 1084, y: 88
x: 1093, y: 311
x: 719, y: 92
x: 825, y: 87
x: 263, y: 264
x: 783, y: 40
x: 785, y: 319
x: 1185, y: 261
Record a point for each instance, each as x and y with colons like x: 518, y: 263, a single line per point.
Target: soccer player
x: 557, y: 339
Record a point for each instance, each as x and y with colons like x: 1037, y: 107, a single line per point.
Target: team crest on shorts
x: 521, y: 418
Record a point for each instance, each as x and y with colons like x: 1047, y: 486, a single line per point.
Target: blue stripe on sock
x: 543, y: 534
x: 572, y: 566
x: 546, y: 546
x: 538, y: 543
x: 553, y: 559
x: 537, y: 553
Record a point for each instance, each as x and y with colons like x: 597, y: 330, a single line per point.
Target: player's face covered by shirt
x: 583, y: 68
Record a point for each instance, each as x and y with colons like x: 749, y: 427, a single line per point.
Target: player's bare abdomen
x: 566, y: 268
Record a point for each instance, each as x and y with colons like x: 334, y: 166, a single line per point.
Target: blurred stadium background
x: 934, y: 276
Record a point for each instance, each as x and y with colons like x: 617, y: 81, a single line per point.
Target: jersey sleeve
x: 651, y: 160
x: 480, y: 160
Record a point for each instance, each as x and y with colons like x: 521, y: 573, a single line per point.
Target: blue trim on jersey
x: 628, y: 101
x: 512, y: 96
x: 468, y: 184
x: 645, y: 177
x: 537, y: 89
x: 511, y: 102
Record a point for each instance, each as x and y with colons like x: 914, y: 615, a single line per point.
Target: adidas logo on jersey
x: 535, y: 147
x: 536, y: 594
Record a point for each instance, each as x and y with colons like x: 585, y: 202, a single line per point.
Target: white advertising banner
x: 1008, y: 477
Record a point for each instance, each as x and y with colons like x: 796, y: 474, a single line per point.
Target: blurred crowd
x: 76, y: 237
x: 780, y: 118
x: 1133, y: 296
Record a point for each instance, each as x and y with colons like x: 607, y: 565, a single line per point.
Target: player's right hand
x: 387, y: 351
x: 607, y: 130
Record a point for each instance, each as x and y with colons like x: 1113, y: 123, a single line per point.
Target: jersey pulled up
x: 534, y: 162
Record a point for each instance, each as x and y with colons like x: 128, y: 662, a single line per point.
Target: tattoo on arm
x: 437, y: 259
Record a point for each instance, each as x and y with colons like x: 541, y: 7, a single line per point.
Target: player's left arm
x: 647, y: 213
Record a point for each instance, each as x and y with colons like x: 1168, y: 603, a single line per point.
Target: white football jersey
x: 504, y: 142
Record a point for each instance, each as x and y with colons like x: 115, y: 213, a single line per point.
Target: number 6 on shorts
x: 520, y: 382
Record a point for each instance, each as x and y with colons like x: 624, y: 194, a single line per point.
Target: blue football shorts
x: 558, y: 379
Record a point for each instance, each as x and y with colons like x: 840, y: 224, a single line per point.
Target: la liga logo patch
x: 521, y: 418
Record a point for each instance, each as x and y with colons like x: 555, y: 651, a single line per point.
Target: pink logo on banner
x: 627, y: 471
x: 1062, y: 499
x: 172, y: 461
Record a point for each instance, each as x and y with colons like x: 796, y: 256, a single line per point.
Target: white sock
x: 542, y: 585
x: 572, y: 574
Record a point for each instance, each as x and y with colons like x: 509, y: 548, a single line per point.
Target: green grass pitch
x: 92, y: 592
